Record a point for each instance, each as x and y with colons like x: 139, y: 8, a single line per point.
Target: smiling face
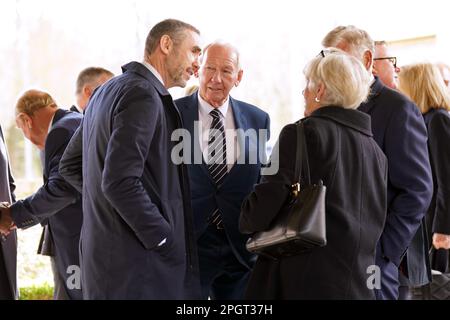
x: 182, y: 60
x: 219, y: 72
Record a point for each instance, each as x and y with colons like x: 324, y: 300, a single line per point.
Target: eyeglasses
x: 393, y: 60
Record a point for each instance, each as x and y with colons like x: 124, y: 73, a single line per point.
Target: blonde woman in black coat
x: 423, y: 83
x: 343, y: 154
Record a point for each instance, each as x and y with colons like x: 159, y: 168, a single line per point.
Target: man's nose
x: 217, y: 77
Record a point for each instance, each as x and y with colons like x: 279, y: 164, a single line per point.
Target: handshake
x: 6, y: 222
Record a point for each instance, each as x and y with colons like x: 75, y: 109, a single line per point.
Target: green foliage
x: 43, y: 292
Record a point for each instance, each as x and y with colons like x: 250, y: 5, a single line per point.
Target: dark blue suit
x: 399, y: 130
x: 228, y: 198
x: 8, y: 246
x: 56, y: 203
x: 134, y: 195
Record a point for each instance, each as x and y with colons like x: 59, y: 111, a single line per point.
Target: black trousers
x: 222, y: 276
x: 5, y: 287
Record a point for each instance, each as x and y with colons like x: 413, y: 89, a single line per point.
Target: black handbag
x: 300, y: 224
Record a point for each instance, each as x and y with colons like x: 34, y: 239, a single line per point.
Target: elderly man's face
x: 182, y: 61
x: 384, y: 68
x: 31, y: 128
x: 218, y: 74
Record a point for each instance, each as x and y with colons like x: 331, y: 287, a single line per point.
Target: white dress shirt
x: 205, y: 120
x: 154, y: 71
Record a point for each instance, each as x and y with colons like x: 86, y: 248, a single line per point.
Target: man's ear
x: 368, y: 57
x: 165, y: 44
x: 23, y: 120
x: 239, y: 77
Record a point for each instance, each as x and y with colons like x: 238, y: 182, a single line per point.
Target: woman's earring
x: 316, y: 99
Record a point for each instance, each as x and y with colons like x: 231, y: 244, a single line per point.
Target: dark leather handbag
x: 300, y: 224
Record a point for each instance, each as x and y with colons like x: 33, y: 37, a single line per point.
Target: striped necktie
x: 217, y: 159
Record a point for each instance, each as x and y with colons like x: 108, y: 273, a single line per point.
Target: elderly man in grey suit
x: 8, y: 240
x: 136, y: 239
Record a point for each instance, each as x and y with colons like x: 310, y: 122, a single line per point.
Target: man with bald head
x: 399, y: 130
x: 223, y: 174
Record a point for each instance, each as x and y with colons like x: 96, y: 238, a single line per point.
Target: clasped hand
x: 6, y: 222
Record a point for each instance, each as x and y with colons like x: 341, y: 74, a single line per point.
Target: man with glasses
x: 385, y: 65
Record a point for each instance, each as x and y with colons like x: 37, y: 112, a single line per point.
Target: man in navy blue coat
x: 218, y: 190
x: 56, y: 205
x: 8, y: 243
x: 136, y: 240
x: 399, y: 130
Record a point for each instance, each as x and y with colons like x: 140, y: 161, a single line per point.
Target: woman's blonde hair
x: 423, y: 84
x: 346, y: 80
x: 34, y: 100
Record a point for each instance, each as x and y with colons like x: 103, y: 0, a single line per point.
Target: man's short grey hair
x: 357, y: 40
x: 223, y: 44
x: 91, y: 76
x: 346, y: 81
x: 175, y: 29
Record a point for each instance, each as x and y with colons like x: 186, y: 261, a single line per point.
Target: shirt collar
x: 50, y: 125
x: 206, y: 108
x: 154, y: 71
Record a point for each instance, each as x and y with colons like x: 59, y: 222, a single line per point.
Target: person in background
x: 343, y: 154
x: 190, y: 90
x: 423, y: 84
x: 56, y: 204
x: 385, y: 65
x: 87, y: 81
x: 399, y: 129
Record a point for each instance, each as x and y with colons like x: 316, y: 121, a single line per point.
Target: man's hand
x: 6, y: 222
x: 441, y: 241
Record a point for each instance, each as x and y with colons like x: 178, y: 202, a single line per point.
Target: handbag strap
x: 301, y: 158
